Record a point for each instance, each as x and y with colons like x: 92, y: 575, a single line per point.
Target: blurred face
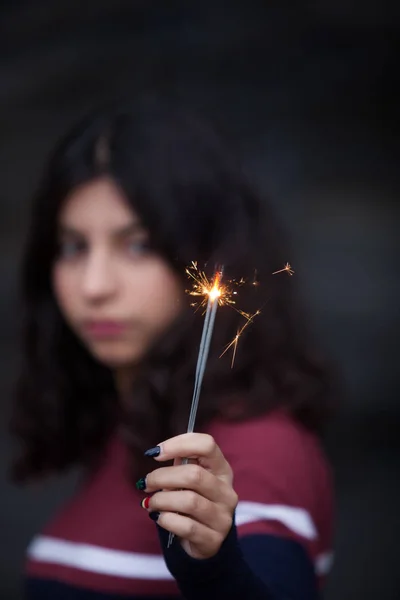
x: 114, y: 292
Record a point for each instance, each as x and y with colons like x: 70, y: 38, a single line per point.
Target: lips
x: 104, y: 329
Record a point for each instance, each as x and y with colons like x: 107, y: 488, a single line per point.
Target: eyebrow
x: 134, y: 227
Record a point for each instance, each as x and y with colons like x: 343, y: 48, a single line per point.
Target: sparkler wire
x: 202, y: 361
x: 202, y: 283
x: 204, y: 349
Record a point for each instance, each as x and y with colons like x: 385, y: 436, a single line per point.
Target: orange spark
x: 239, y: 332
x: 223, y: 293
x: 286, y: 268
x: 233, y: 343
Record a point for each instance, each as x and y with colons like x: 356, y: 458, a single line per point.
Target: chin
x: 114, y: 358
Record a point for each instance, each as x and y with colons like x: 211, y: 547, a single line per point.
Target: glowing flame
x: 214, y: 293
x: 213, y: 290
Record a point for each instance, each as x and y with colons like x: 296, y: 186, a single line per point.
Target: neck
x: 124, y: 378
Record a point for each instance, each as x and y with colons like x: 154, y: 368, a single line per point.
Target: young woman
x: 130, y: 198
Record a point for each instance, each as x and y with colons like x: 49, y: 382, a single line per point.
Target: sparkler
x: 226, y: 297
x: 202, y: 287
x: 213, y: 294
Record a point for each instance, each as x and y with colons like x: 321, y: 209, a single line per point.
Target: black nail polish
x: 141, y: 484
x: 153, y: 452
x: 154, y: 515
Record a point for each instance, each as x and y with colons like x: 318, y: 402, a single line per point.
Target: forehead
x: 95, y: 204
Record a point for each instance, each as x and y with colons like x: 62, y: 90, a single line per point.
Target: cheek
x: 63, y: 289
x: 162, y: 294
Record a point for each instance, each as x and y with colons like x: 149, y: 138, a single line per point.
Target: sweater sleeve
x: 248, y: 569
x: 225, y: 575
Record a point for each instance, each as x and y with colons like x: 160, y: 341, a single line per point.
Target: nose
x: 99, y: 280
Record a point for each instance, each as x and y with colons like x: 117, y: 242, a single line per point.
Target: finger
x: 198, y: 446
x: 206, y: 540
x: 189, y: 503
x: 189, y: 477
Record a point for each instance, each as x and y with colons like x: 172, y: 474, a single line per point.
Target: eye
x: 137, y: 247
x: 70, y: 248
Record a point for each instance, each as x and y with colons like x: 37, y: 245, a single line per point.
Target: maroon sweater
x: 102, y: 543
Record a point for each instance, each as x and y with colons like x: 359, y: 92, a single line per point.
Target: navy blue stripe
x: 282, y: 564
x: 42, y: 589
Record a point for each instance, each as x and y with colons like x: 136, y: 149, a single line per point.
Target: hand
x: 201, y: 493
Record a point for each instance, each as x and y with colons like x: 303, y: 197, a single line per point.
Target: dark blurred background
x: 306, y: 90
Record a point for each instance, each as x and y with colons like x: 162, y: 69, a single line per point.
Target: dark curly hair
x: 197, y: 205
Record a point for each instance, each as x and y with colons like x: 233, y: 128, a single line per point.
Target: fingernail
x: 141, y: 484
x: 153, y: 452
x: 145, y: 503
x: 154, y: 515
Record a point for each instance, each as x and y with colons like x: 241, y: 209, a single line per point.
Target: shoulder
x: 274, y: 453
x: 282, y: 477
x: 274, y: 436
